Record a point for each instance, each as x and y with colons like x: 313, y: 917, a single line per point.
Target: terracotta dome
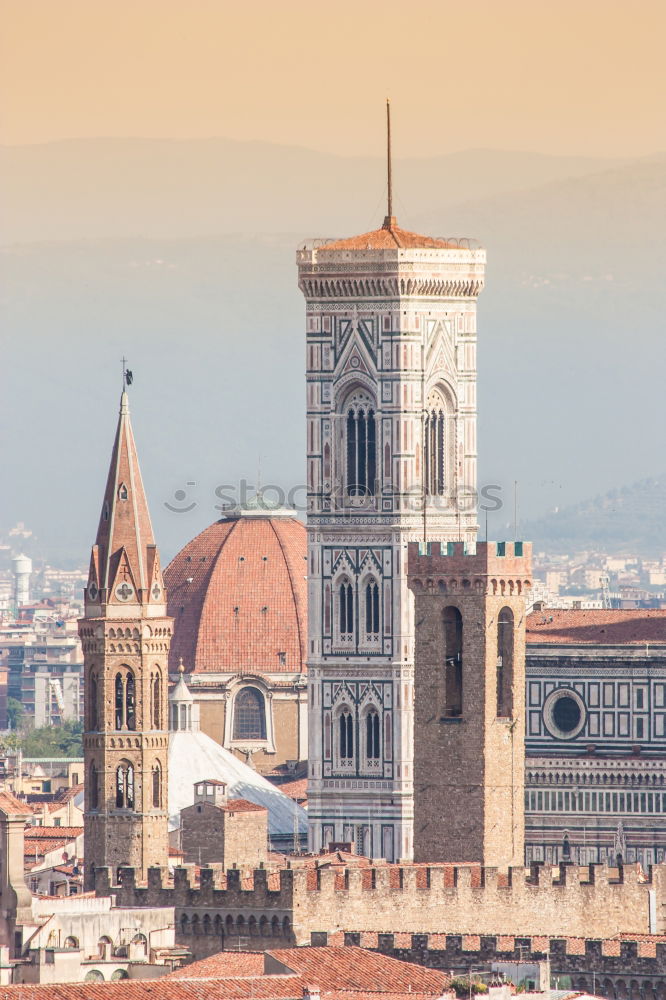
x: 238, y: 596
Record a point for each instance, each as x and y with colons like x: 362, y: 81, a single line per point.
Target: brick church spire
x: 124, y: 566
x: 125, y: 636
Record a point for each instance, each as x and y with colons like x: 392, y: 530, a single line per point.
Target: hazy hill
x: 99, y: 188
x: 629, y: 519
x: 571, y: 355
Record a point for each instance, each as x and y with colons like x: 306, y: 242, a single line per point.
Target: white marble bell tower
x: 391, y: 458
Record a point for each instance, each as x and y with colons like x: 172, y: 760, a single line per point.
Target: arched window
x: 120, y: 701
x: 566, y: 848
x: 372, y: 609
x: 130, y: 702
x: 505, y: 662
x: 105, y: 947
x: 125, y: 700
x: 157, y: 785
x: 434, y: 446
x: 93, y: 724
x: 453, y: 665
x: 249, y: 715
x: 346, y: 735
x: 346, y: 609
x: 71, y: 942
x: 94, y: 787
x: 372, y: 734
x: 155, y: 698
x: 361, y: 453
x: 124, y: 785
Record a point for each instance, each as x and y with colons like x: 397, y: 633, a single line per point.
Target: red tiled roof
x: 603, y: 627
x: 389, y: 237
x: 247, y: 599
x: 297, y: 790
x: 224, y: 963
x: 53, y: 832
x: 249, y: 988
x: 350, y: 968
x: 242, y: 805
x: 341, y: 973
x: 13, y: 806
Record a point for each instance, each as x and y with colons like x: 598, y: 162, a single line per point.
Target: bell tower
x: 125, y: 634
x: 391, y: 458
x: 469, y: 700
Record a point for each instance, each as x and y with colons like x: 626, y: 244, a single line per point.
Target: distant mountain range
x: 181, y: 256
x: 100, y: 188
x: 630, y: 519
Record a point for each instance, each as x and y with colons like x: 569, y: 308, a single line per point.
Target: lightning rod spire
x: 389, y: 217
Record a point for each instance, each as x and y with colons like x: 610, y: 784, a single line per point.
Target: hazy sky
x: 574, y: 76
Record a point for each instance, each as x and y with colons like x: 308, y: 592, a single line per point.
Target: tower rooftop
x: 390, y: 237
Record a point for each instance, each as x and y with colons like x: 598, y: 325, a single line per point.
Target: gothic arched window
x: 372, y: 734
x: 157, y: 785
x: 453, y: 665
x: 505, y: 662
x: 372, y: 608
x: 130, y: 701
x: 124, y: 785
x: 125, y: 700
x: 361, y: 447
x: 346, y: 735
x: 155, y: 698
x: 434, y: 446
x: 346, y: 609
x: 249, y: 715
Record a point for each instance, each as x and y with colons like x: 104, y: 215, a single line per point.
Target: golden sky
x: 568, y: 76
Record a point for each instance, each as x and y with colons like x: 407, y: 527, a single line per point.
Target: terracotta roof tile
x: 53, y: 832
x: 238, y: 596
x: 242, y: 805
x: 389, y: 237
x: 604, y: 627
x: 13, y: 806
x: 224, y: 963
x: 350, y: 968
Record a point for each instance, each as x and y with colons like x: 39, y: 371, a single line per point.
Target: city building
x: 391, y: 458
x: 238, y: 597
x: 44, y: 667
x: 596, y: 736
x: 194, y: 757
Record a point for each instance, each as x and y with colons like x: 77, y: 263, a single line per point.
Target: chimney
x: 212, y: 791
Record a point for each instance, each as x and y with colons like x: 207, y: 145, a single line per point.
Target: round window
x: 564, y: 714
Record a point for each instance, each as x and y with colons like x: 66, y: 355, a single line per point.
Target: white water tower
x: 21, y: 568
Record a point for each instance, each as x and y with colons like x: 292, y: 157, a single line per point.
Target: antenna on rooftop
x: 389, y: 216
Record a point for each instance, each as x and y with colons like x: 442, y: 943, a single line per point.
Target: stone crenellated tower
x: 469, y: 701
x: 125, y: 634
x: 391, y: 458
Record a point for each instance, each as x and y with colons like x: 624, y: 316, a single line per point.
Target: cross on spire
x: 128, y: 377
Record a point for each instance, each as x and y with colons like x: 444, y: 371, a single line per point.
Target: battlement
x: 614, y: 956
x: 563, y: 900
x: 487, y: 567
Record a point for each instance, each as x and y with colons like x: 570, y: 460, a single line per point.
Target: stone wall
x: 225, y: 835
x: 295, y: 902
x: 616, y: 968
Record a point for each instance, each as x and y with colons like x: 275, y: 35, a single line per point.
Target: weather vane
x: 128, y: 377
